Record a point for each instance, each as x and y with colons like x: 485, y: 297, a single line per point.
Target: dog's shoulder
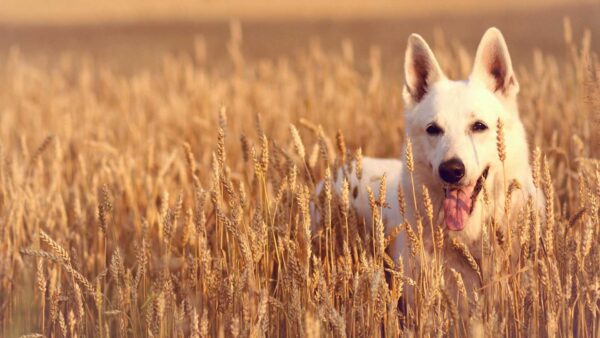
x: 369, y: 173
x: 366, y: 176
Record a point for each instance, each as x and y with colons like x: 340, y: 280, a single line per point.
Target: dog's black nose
x: 452, y: 171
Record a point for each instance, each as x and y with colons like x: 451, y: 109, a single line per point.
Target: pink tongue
x: 457, y: 205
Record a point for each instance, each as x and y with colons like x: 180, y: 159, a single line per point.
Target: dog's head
x: 453, y: 124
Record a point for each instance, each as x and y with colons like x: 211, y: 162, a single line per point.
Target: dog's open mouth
x: 459, y: 202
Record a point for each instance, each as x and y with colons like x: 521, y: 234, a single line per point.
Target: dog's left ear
x: 493, y: 66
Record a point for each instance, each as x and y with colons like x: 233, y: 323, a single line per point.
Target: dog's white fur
x: 488, y: 95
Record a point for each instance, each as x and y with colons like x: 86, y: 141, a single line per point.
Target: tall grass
x: 177, y: 203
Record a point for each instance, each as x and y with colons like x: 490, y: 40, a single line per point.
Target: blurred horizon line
x: 68, y: 13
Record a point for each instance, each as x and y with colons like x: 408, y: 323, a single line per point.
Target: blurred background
x: 128, y: 36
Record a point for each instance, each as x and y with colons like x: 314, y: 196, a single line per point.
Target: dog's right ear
x: 421, y: 70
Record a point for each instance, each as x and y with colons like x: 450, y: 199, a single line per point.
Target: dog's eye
x: 434, y: 129
x: 479, y: 126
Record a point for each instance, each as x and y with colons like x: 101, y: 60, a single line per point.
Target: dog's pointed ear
x: 493, y: 66
x: 421, y: 70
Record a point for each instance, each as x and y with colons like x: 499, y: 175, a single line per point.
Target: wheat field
x: 176, y: 202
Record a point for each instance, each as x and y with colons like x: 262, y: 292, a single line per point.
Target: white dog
x: 452, y: 126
